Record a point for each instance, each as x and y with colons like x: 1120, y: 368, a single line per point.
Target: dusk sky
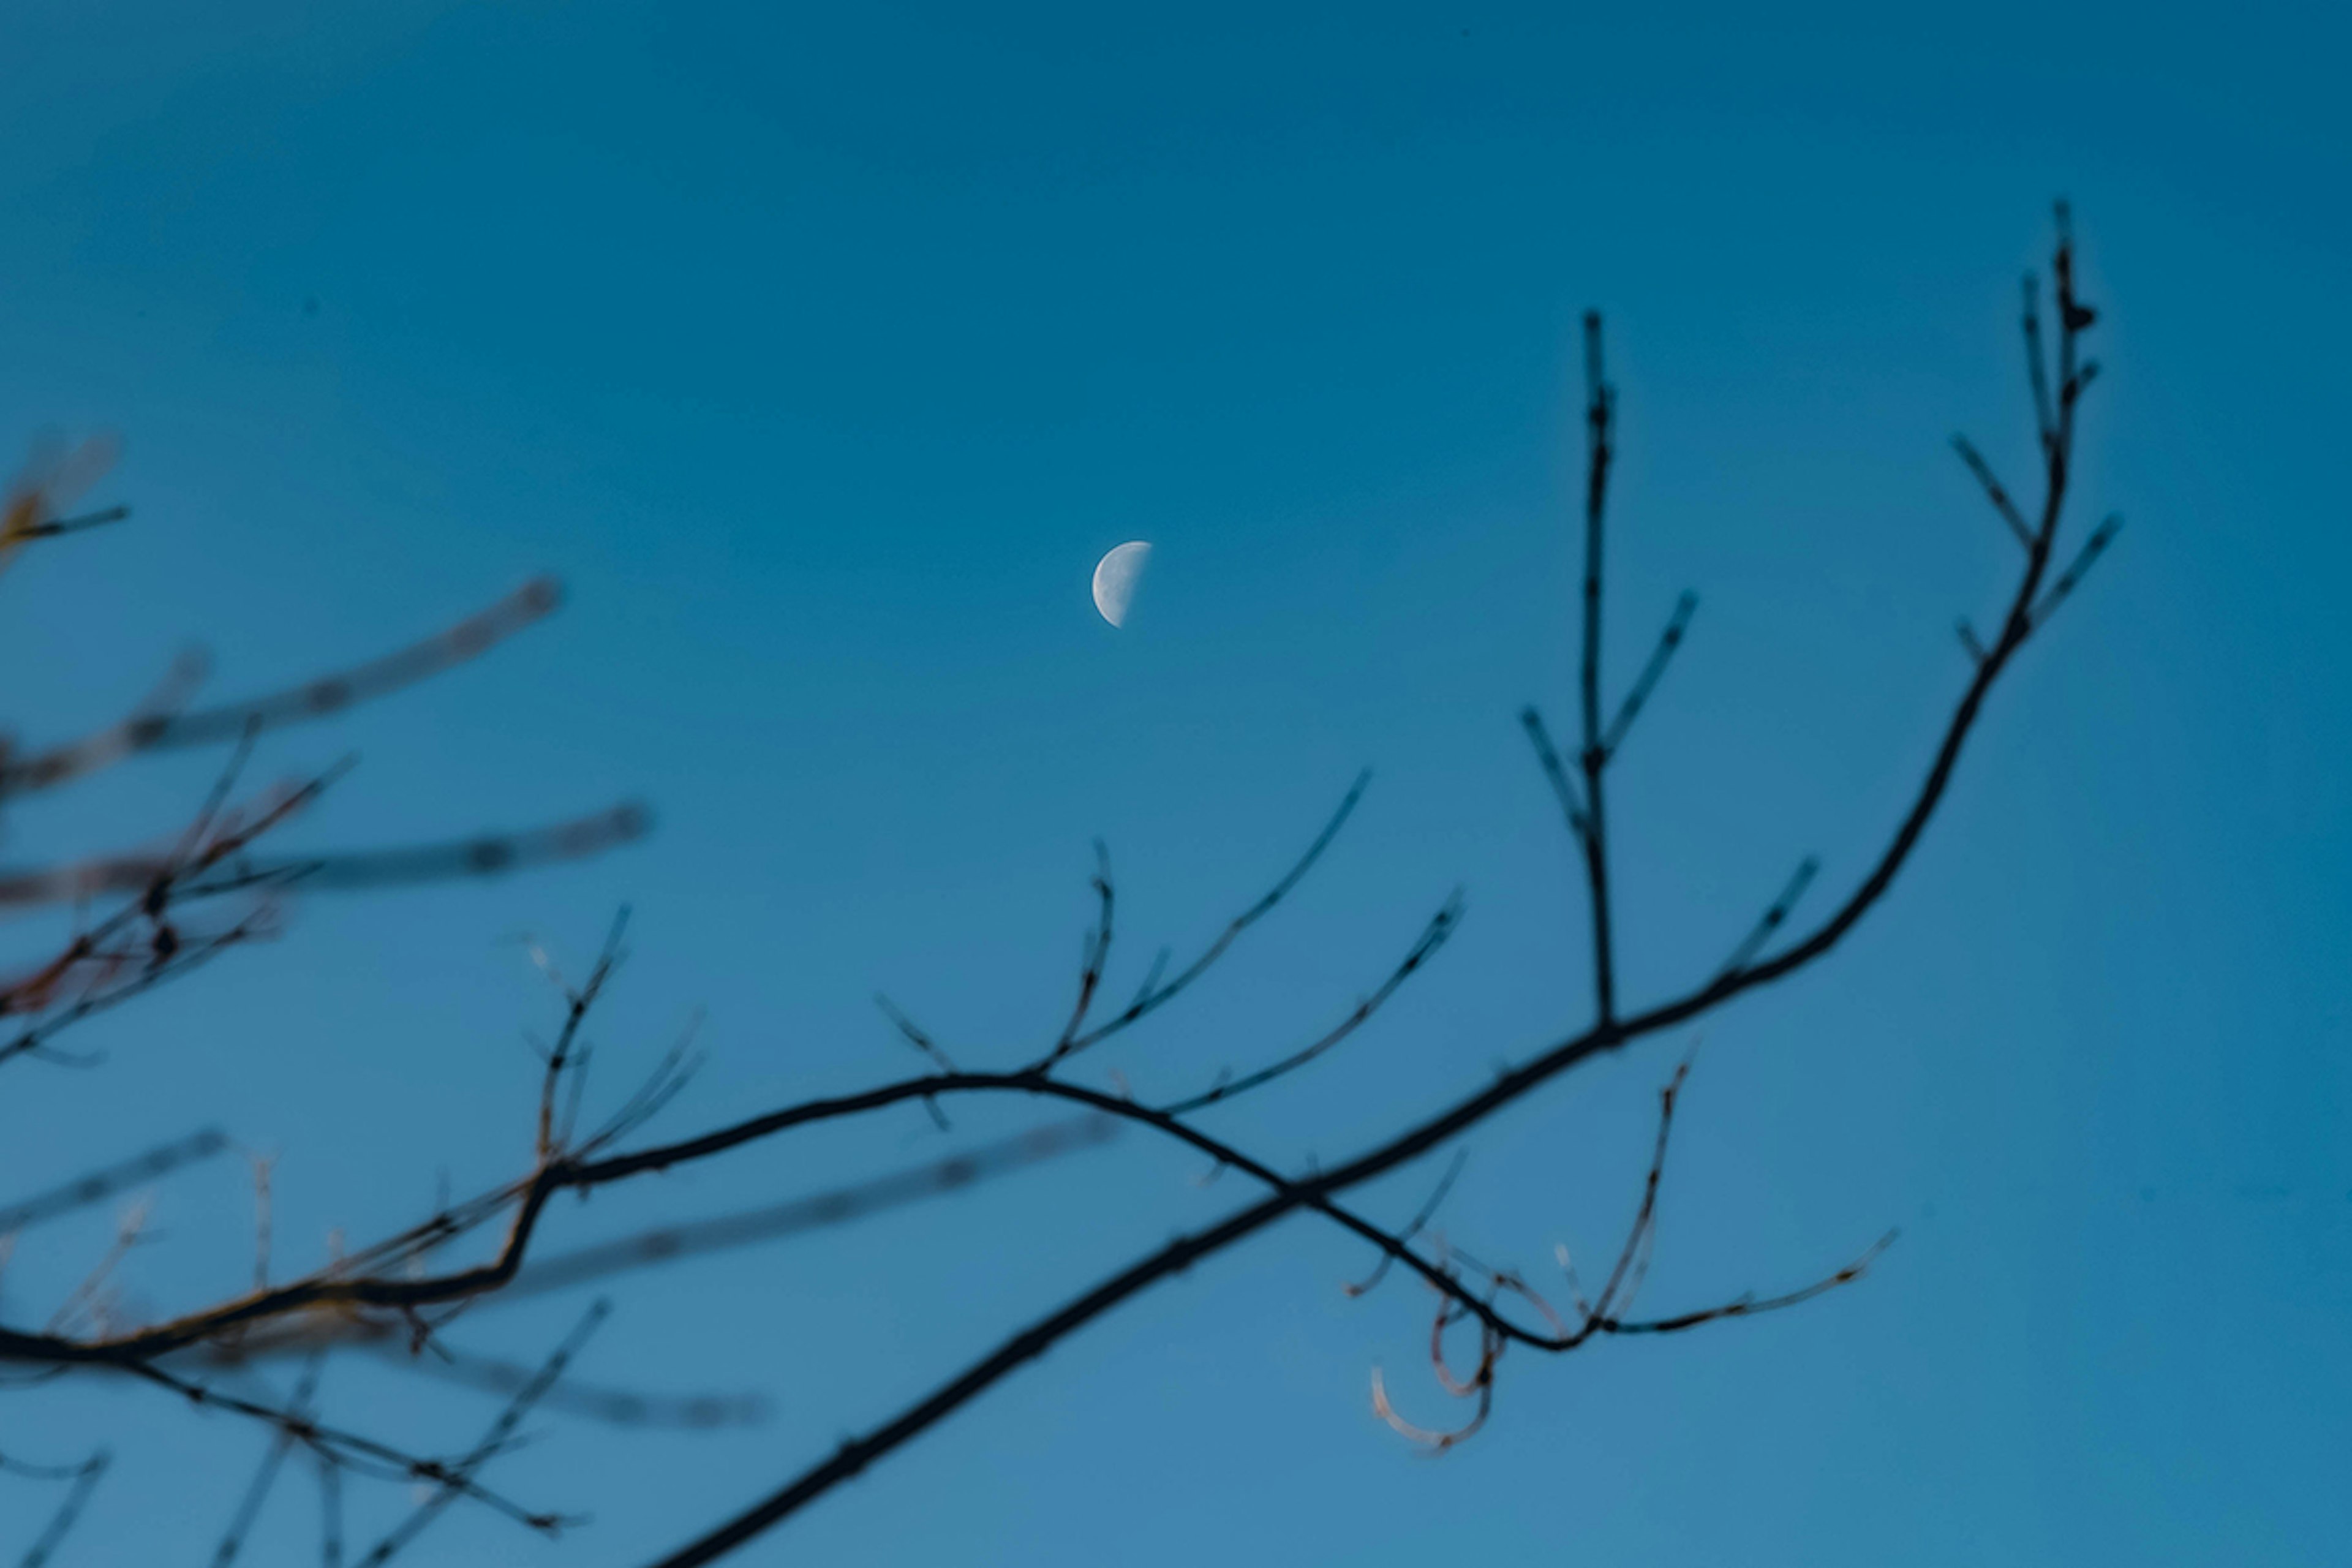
x: 823, y: 351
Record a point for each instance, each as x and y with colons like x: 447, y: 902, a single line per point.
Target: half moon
x: 1116, y: 576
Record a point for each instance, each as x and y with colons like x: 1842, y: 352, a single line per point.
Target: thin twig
x: 1442, y: 925
x: 86, y: 1478
x: 1668, y: 641
x: 1427, y: 1212
x: 1994, y: 492
x: 1149, y: 1001
x: 1774, y: 917
x: 281, y: 1444
x: 493, y: 1440
x: 104, y: 1183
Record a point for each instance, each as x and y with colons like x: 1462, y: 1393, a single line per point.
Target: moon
x: 1116, y: 576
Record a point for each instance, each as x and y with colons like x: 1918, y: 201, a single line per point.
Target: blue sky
x: 823, y: 351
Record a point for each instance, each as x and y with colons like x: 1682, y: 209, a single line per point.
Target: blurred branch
x: 104, y: 1183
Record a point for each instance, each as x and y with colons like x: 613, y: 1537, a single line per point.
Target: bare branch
x: 1148, y: 1001
x: 1970, y: 642
x: 102, y: 1184
x: 331, y: 1511
x: 916, y: 1035
x: 1993, y: 491
x: 1433, y: 937
x: 576, y: 1006
x: 281, y: 1444
x: 1608, y: 1034
x: 86, y: 1477
x: 78, y: 759
x: 2092, y: 548
x: 1668, y: 641
x: 1428, y: 1212
x: 840, y: 1205
x: 500, y: 1430
x: 1090, y: 966
x: 1562, y: 786
x: 613, y: 1406
x: 316, y: 699
x: 1601, y: 404
x: 65, y: 525
x: 1774, y: 917
x: 2036, y: 376
x: 349, y: 1450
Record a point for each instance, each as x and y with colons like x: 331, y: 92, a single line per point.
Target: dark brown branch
x: 1608, y: 1034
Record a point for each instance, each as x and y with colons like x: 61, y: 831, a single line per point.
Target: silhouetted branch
x: 1668, y: 641
x: 1609, y: 1033
x: 486, y: 856
x: 1433, y: 937
x: 613, y: 1406
x: 331, y: 1511
x: 102, y: 1184
x: 256, y: 1494
x: 159, y: 726
x: 452, y: 1485
x: 1993, y: 492
x: 50, y: 479
x: 914, y: 1034
x: 1562, y: 786
x: 1148, y: 1001
x: 315, y: 699
x: 576, y: 1005
x: 840, y: 1205
x: 84, y: 1478
x: 2036, y: 376
x: 2092, y: 547
x: 389, y: 1288
x: 351, y: 1451
x: 1096, y: 955
x: 78, y: 759
x: 1427, y: 1212
x: 1774, y: 917
x: 1601, y: 404
x: 74, y: 524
